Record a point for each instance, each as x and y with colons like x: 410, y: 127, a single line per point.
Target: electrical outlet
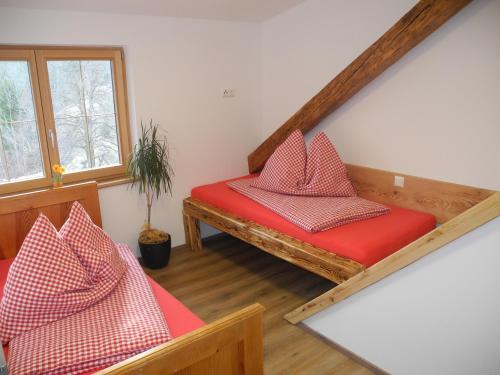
x: 228, y: 93
x: 399, y: 181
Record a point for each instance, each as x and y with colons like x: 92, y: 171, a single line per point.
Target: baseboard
x: 204, y: 239
x: 356, y: 358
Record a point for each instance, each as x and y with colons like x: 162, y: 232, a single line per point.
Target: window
x: 61, y: 106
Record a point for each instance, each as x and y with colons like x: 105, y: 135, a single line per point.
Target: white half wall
x: 176, y: 71
x: 440, y: 315
x: 435, y: 113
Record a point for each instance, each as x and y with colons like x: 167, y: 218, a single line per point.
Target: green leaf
x: 149, y: 164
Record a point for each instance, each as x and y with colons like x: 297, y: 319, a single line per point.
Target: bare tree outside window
x: 84, y: 111
x: 20, y: 156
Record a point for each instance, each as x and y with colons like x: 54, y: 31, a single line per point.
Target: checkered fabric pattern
x: 285, y: 169
x: 312, y: 214
x: 92, y: 245
x: 290, y: 170
x: 128, y: 321
x: 46, y: 282
x: 326, y: 174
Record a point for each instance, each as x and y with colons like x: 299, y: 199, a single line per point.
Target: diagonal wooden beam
x: 423, y: 19
x: 467, y: 221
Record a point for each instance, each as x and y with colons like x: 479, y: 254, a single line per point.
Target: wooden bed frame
x: 231, y: 345
x: 458, y: 208
x: 441, y: 199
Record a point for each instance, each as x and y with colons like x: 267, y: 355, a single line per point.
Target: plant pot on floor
x: 155, y: 254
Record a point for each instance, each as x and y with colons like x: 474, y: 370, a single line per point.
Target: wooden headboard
x: 19, y: 212
x: 442, y: 199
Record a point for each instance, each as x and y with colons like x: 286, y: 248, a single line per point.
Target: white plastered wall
x: 435, y: 114
x: 177, y: 69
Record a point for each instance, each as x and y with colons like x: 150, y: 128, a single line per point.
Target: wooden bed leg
x: 186, y: 229
x: 192, y: 232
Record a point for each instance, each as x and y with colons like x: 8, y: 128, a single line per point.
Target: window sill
x: 101, y: 184
x: 113, y: 182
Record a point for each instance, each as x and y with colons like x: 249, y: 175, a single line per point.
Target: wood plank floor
x: 230, y: 274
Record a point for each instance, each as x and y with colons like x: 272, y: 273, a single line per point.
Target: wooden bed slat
x: 307, y: 256
x: 421, y: 21
x: 467, y: 221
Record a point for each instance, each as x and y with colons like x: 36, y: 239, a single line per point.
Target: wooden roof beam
x: 421, y: 21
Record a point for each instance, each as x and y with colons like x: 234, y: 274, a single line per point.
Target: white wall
x: 435, y: 113
x: 176, y: 71
x: 439, y: 315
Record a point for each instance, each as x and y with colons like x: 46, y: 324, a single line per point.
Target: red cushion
x: 92, y: 245
x: 291, y: 171
x: 366, y: 241
x: 45, y: 283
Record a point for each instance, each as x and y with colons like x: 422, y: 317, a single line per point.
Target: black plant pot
x: 156, y: 255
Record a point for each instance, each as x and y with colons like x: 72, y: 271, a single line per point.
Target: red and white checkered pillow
x: 126, y: 322
x: 290, y: 170
x: 285, y: 169
x: 46, y: 282
x: 95, y: 249
x: 326, y: 174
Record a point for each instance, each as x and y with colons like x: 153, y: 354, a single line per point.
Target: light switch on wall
x: 227, y: 93
x: 399, y: 181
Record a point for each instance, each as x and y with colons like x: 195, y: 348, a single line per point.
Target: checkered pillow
x: 46, y: 282
x: 126, y: 322
x: 95, y: 249
x: 326, y: 174
x: 290, y: 170
x: 285, y: 169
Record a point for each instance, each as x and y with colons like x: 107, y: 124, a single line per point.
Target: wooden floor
x: 229, y: 275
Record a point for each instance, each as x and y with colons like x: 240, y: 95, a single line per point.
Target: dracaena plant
x: 149, y: 166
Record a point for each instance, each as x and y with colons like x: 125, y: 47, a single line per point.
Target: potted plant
x: 151, y: 172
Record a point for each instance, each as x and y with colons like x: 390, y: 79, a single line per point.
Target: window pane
x: 73, y: 146
x: 85, y: 115
x: 20, y: 156
x: 105, y: 140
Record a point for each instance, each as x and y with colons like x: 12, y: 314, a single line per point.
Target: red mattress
x: 366, y: 241
x: 179, y: 318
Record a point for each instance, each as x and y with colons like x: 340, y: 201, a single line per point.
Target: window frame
x: 38, y: 57
x: 34, y: 183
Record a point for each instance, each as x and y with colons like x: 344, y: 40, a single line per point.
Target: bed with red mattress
x: 337, y: 254
x: 365, y: 242
x: 344, y: 254
x: 235, y: 340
